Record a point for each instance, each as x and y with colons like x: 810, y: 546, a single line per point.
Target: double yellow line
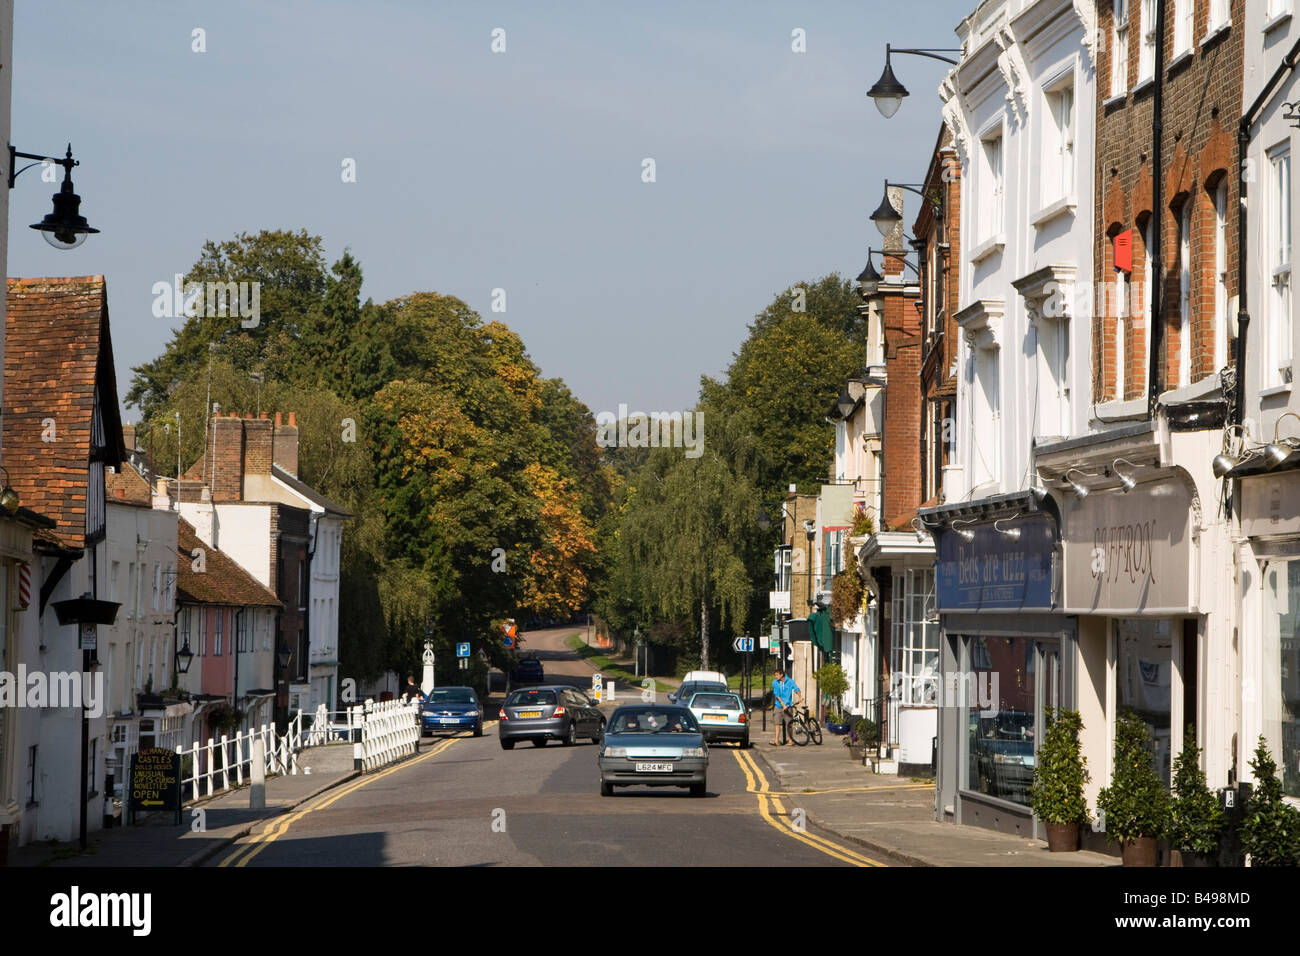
x: 280, y: 826
x: 757, y: 784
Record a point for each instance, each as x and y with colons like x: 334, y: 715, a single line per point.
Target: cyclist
x: 785, y: 693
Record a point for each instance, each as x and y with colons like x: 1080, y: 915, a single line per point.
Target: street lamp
x: 888, y: 92
x: 65, y: 227
x: 184, y: 657
x: 8, y: 497
x: 886, y: 217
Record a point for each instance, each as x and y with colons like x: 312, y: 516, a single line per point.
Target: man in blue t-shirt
x: 785, y: 692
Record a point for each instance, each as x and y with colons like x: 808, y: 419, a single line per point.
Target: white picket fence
x: 220, y: 765
x: 389, y: 731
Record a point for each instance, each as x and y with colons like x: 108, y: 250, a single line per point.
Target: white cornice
x: 982, y: 323
x: 1047, y: 292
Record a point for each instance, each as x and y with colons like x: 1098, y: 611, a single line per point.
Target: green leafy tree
x: 1060, y: 772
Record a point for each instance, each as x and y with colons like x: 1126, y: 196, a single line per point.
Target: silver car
x: 721, y: 717
x: 649, y: 745
x: 549, y: 712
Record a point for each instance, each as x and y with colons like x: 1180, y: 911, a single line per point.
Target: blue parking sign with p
x: 462, y: 649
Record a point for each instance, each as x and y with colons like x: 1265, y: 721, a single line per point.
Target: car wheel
x: 744, y: 744
x: 478, y: 729
x: 699, y: 789
x: 600, y: 733
x: 606, y: 789
x: 571, y: 735
x: 539, y: 741
x: 507, y: 745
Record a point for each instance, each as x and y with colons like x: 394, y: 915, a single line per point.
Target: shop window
x: 1001, y: 718
x: 1281, y: 673
x: 914, y: 638
x: 1145, y: 676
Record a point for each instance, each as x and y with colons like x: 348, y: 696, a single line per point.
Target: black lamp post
x: 65, y: 227
x: 888, y: 92
x: 184, y: 657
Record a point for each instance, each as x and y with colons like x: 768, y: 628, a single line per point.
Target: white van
x: 715, y: 676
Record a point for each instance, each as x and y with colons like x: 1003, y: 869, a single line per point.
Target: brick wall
x: 1202, y: 107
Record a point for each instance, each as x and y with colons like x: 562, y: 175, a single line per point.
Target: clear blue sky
x: 478, y: 170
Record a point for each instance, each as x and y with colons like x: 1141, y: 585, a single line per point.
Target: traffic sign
x: 462, y: 649
x: 745, y: 645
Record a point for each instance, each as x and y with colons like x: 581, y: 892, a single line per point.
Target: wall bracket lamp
x: 65, y: 227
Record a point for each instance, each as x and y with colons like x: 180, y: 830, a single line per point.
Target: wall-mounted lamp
x: 1232, y: 454
x: 966, y: 534
x: 1126, y: 481
x: 888, y: 92
x: 1012, y: 533
x: 921, y: 528
x: 1079, y: 489
x: 183, y: 658
x: 1037, y: 487
x: 1278, y: 451
x: 65, y: 227
x: 8, y: 497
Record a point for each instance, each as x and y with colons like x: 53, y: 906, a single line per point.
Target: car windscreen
x: 724, y: 701
x: 453, y: 695
x: 652, y: 720
x: 524, y: 698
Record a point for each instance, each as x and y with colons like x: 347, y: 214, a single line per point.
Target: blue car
x: 449, y: 709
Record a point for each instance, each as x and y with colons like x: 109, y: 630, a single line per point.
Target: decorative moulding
x: 981, y: 322
x: 1047, y: 292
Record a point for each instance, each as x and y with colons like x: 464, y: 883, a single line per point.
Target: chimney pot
x: 277, y: 419
x: 293, y: 419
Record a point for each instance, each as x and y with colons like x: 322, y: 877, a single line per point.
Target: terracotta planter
x: 1140, y: 851
x: 1062, y: 837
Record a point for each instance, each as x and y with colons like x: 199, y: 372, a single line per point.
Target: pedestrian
x: 785, y: 692
x: 412, y: 689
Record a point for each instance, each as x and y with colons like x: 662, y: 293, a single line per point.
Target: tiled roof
x: 223, y: 581
x: 57, y: 348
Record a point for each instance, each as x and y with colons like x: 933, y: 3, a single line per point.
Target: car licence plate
x: 715, y: 718
x: 449, y: 720
x: 530, y: 713
x: 654, y: 768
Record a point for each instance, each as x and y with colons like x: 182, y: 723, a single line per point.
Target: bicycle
x: 804, y: 726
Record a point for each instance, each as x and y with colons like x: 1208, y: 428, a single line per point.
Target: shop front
x: 1270, y: 594
x: 1006, y: 655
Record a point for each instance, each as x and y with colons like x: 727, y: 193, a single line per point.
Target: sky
x: 522, y: 170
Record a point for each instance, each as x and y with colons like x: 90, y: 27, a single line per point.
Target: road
x: 465, y: 802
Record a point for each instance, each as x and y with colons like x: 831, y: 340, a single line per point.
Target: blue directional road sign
x: 745, y: 645
x: 462, y: 650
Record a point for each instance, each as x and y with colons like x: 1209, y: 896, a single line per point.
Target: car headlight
x: 694, y: 751
x: 614, y: 752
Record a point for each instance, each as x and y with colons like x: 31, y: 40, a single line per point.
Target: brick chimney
x: 257, y: 446
x: 128, y: 439
x: 285, y: 447
x: 227, y: 466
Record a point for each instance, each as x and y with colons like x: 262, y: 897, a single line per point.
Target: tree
x: 683, y: 529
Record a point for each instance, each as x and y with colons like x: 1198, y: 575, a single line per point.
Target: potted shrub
x: 1270, y: 830
x: 833, y: 685
x: 1059, y: 775
x: 862, y: 735
x: 1136, y: 804
x: 1195, y: 818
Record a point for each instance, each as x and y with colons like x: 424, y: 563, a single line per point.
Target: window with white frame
x: 914, y: 638
x: 1218, y: 15
x: 1277, y: 8
x: 1058, y: 146
x: 832, y: 556
x: 1184, y: 11
x: 1148, y: 245
x: 203, y: 632
x: 1185, y: 293
x: 990, y: 193
x: 1278, y: 342
x: 1221, y: 274
x: 1147, y: 52
x: 986, y: 419
x: 217, y: 628
x: 782, y: 569
x: 1121, y: 324
x: 1119, y: 50
x: 242, y: 632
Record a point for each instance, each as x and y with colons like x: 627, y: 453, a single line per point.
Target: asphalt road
x: 465, y: 802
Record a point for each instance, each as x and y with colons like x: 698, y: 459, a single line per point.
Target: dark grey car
x: 653, y: 745
x: 549, y: 712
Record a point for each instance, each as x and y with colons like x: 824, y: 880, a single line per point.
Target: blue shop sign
x: 993, y: 572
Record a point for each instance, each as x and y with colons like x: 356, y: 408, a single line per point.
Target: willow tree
x: 685, y: 529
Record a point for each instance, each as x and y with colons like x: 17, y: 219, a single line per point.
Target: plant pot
x: 856, y: 753
x: 1139, y: 851
x: 1062, y: 837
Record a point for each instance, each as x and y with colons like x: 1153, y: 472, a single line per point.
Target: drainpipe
x: 1154, y: 377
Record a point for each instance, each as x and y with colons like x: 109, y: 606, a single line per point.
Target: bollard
x: 257, y: 792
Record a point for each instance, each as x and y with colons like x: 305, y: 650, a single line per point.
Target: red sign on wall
x: 1124, y: 251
